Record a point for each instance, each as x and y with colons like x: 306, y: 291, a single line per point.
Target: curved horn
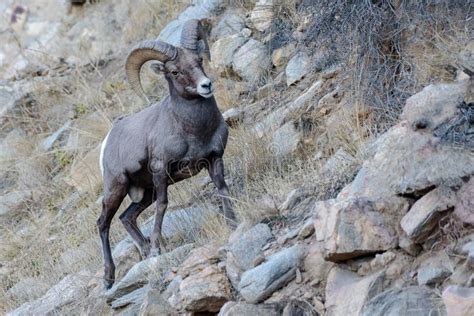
x: 193, y: 31
x: 143, y: 52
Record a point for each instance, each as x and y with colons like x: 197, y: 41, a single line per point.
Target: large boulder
x: 356, y: 227
x: 409, y: 162
x: 69, y: 290
x: 346, y: 293
x: 415, y: 154
x: 459, y: 300
x: 424, y: 215
x: 413, y: 300
x: 260, y: 282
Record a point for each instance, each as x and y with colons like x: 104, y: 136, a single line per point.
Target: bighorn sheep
x: 165, y: 143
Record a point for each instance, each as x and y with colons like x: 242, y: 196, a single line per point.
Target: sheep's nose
x: 204, y: 87
x: 206, y: 84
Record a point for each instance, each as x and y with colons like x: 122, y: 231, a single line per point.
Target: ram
x: 163, y: 144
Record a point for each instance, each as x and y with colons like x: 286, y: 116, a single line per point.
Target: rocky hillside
x: 350, y: 160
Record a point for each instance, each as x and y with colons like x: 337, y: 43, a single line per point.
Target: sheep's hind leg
x: 216, y: 172
x: 129, y: 221
x: 110, y: 205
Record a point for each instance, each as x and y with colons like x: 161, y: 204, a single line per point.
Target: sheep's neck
x: 196, y: 116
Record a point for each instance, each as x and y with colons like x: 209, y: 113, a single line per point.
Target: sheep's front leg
x: 216, y: 172
x: 161, y: 187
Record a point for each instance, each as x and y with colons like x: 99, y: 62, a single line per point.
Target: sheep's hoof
x: 108, y: 284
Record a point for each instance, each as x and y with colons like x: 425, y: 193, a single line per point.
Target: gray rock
x: 347, y: 293
x: 297, y: 68
x: 341, y: 159
x: 251, y: 61
x: 409, y: 246
x: 410, y: 157
x: 435, y: 269
x: 409, y: 301
x: 145, y: 270
x: 183, y: 224
x: 355, y: 227
x: 409, y: 162
x: 155, y: 304
x: 244, y: 250
x: 424, y: 215
x: 200, y: 9
x: 468, y: 250
x: 231, y: 22
x: 307, y: 230
x: 259, y: 283
x: 69, y: 290
x: 286, y: 140
x: 434, y: 105
x: 262, y: 15
x: 239, y: 309
x: 249, y: 245
x: 281, y: 56
x: 276, y: 118
x: 222, y: 53
x: 135, y: 297
x: 432, y: 275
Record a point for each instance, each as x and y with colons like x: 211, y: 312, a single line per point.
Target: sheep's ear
x: 158, y: 68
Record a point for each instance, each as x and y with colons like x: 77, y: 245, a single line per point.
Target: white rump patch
x: 102, y: 148
x: 136, y: 194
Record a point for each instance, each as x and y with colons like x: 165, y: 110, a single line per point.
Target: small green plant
x: 81, y: 109
x: 63, y: 158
